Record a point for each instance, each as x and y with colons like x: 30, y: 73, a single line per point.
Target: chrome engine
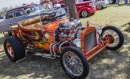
x: 68, y: 30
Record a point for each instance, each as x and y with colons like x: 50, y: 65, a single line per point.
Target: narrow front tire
x: 117, y: 36
x: 74, y: 63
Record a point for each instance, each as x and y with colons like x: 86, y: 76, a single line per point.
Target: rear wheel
x: 74, y: 63
x: 99, y: 7
x: 14, y: 48
x: 110, y: 1
x: 116, y: 36
x: 84, y: 13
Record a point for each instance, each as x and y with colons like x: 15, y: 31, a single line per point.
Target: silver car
x: 15, y: 15
x: 101, y: 4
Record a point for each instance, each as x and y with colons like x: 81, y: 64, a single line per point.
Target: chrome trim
x: 54, y: 53
x: 9, y: 24
x: 50, y: 49
x: 61, y: 45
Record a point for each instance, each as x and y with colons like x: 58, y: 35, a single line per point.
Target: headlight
x: 47, y: 35
x: 77, y: 42
x: 90, y: 4
x: 99, y: 29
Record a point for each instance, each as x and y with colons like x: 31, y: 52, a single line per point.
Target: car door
x: 6, y: 23
x: 19, y: 15
x: 12, y: 18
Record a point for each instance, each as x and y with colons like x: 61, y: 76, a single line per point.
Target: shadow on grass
x: 111, y: 65
x: 32, y: 67
x: 106, y: 65
x: 1, y: 40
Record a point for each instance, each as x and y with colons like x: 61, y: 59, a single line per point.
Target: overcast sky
x: 13, y: 3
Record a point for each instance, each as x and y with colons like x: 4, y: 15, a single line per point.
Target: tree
x: 4, y: 10
x: 72, y: 8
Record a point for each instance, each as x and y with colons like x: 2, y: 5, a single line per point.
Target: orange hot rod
x: 64, y: 38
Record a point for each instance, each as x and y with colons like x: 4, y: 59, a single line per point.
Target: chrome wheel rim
x: 10, y: 50
x: 84, y: 13
x: 99, y: 7
x: 114, y: 35
x: 72, y: 63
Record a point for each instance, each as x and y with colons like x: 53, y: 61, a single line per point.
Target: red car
x: 84, y: 8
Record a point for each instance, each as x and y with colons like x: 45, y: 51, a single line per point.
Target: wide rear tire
x: 116, y: 34
x: 74, y: 63
x: 14, y: 48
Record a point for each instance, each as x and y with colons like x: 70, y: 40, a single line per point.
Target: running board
x: 45, y: 55
x: 20, y: 60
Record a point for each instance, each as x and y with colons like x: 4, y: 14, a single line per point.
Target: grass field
x: 106, y: 65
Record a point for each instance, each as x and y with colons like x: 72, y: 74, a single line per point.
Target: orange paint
x: 45, y: 39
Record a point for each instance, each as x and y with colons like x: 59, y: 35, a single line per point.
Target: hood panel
x: 51, y: 27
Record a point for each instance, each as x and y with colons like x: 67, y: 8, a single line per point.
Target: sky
x: 13, y: 3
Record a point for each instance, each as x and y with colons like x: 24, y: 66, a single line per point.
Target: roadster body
x: 62, y: 37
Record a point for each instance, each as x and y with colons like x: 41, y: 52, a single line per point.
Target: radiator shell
x: 88, y: 39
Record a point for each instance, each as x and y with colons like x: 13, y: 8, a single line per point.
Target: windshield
x: 79, y: 1
x: 34, y: 8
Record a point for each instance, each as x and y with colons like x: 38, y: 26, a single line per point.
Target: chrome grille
x: 90, y: 41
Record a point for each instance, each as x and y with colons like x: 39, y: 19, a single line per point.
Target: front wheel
x: 74, y: 63
x: 99, y: 7
x: 116, y: 36
x: 84, y: 13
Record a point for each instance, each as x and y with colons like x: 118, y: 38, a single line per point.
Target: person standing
x: 125, y: 1
x: 48, y: 6
x: 117, y: 2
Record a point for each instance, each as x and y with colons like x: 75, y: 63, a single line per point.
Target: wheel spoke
x: 10, y: 50
x: 73, y: 63
x: 84, y: 13
x: 115, y: 36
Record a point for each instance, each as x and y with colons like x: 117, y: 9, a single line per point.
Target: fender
x: 90, y: 10
x: 101, y: 3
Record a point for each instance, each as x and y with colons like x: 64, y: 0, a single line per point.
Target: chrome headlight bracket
x: 77, y: 42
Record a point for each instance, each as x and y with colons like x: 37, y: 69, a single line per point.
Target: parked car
x: 17, y: 14
x: 13, y: 16
x: 101, y: 4
x: 110, y: 1
x: 84, y: 8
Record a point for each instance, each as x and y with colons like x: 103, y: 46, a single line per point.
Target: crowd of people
x: 118, y: 2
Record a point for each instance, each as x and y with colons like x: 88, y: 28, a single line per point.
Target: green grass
x: 106, y: 65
